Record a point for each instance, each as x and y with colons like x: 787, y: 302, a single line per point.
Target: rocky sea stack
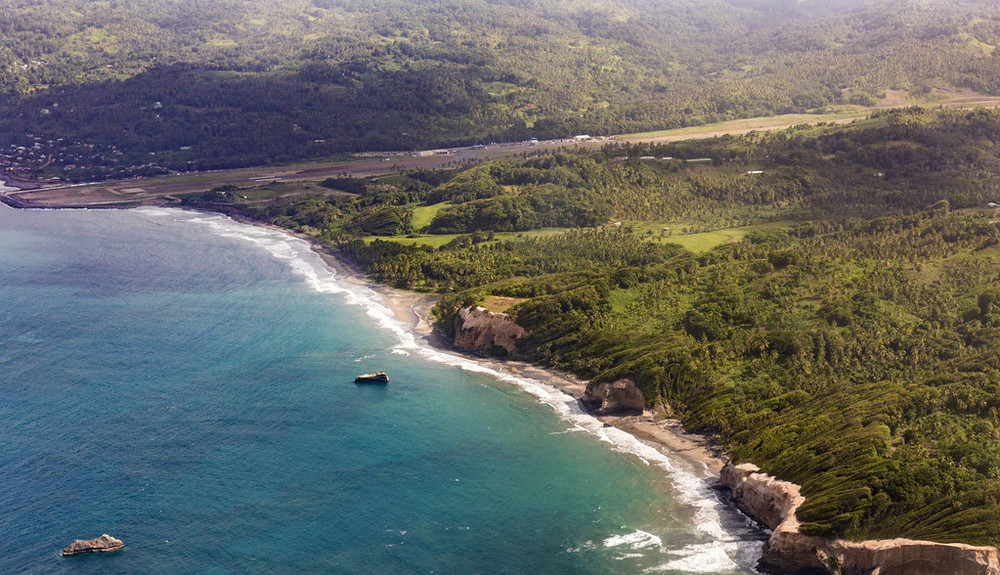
x: 102, y: 544
x: 478, y: 329
x: 622, y: 396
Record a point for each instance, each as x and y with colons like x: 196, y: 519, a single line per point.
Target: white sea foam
x: 157, y: 212
x: 698, y: 558
x: 585, y: 547
x: 636, y: 540
x: 689, y: 482
x: 629, y: 556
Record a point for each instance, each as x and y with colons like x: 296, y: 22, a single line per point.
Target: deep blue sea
x: 184, y: 382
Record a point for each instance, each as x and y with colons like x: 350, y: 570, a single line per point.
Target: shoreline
x: 414, y: 310
x: 18, y: 184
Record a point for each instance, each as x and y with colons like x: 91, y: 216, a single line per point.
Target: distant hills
x: 226, y: 83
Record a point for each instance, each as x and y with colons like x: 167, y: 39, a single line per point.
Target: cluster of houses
x: 56, y: 160
x: 38, y: 153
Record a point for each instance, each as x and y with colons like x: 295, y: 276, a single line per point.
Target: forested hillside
x: 182, y: 84
x: 847, y: 343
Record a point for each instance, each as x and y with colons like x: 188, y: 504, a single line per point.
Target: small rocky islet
x: 376, y: 377
x: 102, y: 544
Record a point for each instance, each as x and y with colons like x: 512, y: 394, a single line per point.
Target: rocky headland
x: 773, y: 503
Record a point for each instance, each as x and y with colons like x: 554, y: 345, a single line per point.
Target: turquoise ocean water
x: 184, y: 383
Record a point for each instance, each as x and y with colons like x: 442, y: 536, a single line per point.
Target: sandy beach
x: 414, y: 309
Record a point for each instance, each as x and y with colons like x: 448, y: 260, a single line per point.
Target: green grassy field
x: 438, y: 240
x: 671, y: 233
x: 705, y: 241
x: 423, y: 215
x: 763, y: 123
x: 697, y: 242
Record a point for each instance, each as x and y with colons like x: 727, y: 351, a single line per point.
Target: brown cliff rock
x: 761, y: 496
x: 773, y: 502
x: 479, y: 329
x: 620, y: 396
x: 102, y: 544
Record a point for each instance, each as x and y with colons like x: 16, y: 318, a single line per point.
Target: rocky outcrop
x: 478, y: 329
x: 102, y: 544
x: 616, y: 397
x: 766, y: 499
x: 773, y: 503
x: 908, y: 557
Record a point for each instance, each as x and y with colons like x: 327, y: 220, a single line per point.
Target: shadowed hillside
x: 241, y: 83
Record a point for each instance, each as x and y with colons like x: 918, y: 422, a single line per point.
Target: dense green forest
x: 156, y: 85
x: 847, y: 343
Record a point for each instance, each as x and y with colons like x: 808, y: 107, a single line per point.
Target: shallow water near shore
x: 184, y: 382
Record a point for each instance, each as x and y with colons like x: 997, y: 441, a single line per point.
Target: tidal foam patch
x: 701, y: 558
x: 636, y: 540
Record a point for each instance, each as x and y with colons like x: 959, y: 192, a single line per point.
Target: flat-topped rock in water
x: 102, y: 544
x: 377, y: 377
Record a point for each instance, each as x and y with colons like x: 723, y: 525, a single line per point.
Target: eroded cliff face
x: 773, y: 503
x: 761, y: 496
x: 479, y: 329
x: 616, y: 397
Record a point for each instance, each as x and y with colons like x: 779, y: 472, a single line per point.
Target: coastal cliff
x: 615, y: 397
x: 773, y: 502
x: 478, y: 329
